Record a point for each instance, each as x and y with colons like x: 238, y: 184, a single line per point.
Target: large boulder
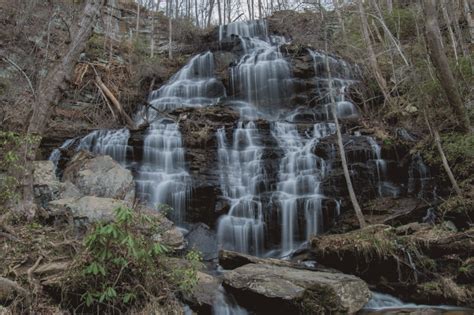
x: 100, y: 176
x: 271, y: 289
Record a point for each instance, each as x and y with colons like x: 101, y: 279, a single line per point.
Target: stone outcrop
x: 410, y: 261
x: 100, y: 176
x: 270, y: 289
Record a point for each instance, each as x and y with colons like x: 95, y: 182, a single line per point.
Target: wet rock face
x: 270, y: 289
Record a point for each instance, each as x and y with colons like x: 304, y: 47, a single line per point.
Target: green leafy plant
x: 122, y: 266
x: 117, y: 261
x: 186, y: 277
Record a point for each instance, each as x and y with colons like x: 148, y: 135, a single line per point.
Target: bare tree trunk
x: 196, y: 12
x: 470, y: 22
x: 341, y: 20
x: 440, y: 62
x: 370, y: 50
x: 260, y: 14
x: 219, y: 11
x: 170, y: 38
x: 447, y: 20
x: 249, y: 7
x: 444, y: 160
x: 49, y: 93
x: 350, y: 188
x: 138, y: 18
x: 211, y: 8
x: 389, y: 6
x: 387, y: 32
x: 455, y: 21
x: 152, y: 39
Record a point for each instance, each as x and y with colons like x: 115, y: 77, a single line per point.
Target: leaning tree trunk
x: 49, y: 94
x: 440, y: 62
x: 342, y: 151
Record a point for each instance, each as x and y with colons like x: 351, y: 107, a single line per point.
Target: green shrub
x: 122, y: 267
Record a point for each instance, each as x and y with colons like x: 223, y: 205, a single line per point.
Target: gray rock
x: 89, y: 208
x: 201, y: 238
x: 100, y: 176
x: 295, y: 291
x: 46, y: 185
x: 69, y: 190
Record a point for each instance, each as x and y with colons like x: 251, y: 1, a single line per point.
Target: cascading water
x: 193, y: 86
x: 420, y: 181
x: 299, y: 182
x: 242, y: 179
x: 108, y: 142
x: 384, y: 187
x: 162, y: 177
x: 341, y: 77
x: 56, y: 154
x: 262, y: 77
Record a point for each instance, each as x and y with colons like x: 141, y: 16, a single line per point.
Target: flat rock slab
x: 270, y: 289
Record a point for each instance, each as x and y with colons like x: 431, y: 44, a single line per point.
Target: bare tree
x: 468, y: 15
x: 370, y: 50
x: 447, y: 20
x: 49, y: 93
x: 440, y: 62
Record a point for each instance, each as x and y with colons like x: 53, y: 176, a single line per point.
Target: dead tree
x: 49, y: 94
x: 342, y: 151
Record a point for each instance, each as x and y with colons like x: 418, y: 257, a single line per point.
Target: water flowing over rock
x: 242, y: 178
x: 162, y: 178
x: 107, y: 142
x: 194, y: 85
x: 300, y: 175
x: 273, y: 289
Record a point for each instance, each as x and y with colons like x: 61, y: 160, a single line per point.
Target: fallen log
x: 130, y: 123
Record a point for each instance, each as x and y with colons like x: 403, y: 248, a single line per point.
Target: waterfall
x: 56, y: 154
x: 162, y: 177
x: 262, y: 77
x: 242, y: 179
x: 342, y: 78
x: 225, y: 304
x: 300, y: 177
x: 247, y: 29
x: 108, y: 142
x: 420, y: 181
x: 193, y: 86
